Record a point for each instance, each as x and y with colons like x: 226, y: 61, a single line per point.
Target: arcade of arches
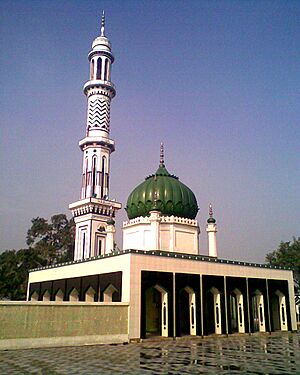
x: 207, y: 305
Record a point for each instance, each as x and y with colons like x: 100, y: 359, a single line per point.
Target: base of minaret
x: 94, y: 232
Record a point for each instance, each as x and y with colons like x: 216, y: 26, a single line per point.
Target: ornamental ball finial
x: 210, y: 210
x: 162, y: 154
x: 102, y: 23
x: 211, y: 219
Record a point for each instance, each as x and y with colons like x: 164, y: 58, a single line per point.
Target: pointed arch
x: 59, y: 296
x: 187, y: 311
x: 90, y: 294
x: 236, y: 310
x: 34, y: 296
x: 74, y: 295
x: 106, y: 70
x: 46, y: 296
x: 103, y: 168
x: 108, y: 293
x: 217, y: 309
x: 94, y: 174
x: 278, y: 311
x: 99, y: 68
x: 92, y: 69
x: 156, y: 317
x: 258, y: 313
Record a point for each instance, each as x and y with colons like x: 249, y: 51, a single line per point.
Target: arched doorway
x: 278, y: 311
x: 258, y: 314
x: 156, y: 314
x: 236, y: 307
x: 187, y: 311
x: 213, y: 311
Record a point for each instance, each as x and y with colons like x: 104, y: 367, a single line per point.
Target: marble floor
x: 278, y: 353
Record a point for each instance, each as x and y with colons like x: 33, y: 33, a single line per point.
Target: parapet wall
x: 26, y: 325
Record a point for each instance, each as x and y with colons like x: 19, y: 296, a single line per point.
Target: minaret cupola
x: 99, y: 89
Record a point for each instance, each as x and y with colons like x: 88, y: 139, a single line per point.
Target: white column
x: 217, y: 305
x: 155, y: 222
x: 261, y: 312
x: 110, y: 230
x: 240, y: 312
x: 211, y: 230
x: 282, y: 311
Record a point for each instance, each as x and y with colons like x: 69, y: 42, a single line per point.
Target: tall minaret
x: 211, y: 229
x: 94, y: 211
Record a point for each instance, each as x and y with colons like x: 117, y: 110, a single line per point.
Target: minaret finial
x: 102, y: 23
x: 211, y: 219
x: 210, y: 210
x: 162, y: 154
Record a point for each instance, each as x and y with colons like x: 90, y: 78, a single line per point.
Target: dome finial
x: 102, y: 23
x: 162, y: 155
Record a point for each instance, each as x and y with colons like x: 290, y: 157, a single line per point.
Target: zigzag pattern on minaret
x: 98, y: 115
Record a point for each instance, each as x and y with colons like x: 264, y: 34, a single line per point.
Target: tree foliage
x: 287, y: 255
x: 54, y: 241
x: 49, y: 243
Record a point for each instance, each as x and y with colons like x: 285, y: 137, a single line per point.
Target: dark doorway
x: 210, y: 314
x: 184, y: 313
x: 275, y: 313
x: 233, y: 313
x: 153, y: 312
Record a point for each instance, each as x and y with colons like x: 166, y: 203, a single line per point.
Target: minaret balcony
x: 100, y: 83
x: 104, y: 207
x: 99, y: 141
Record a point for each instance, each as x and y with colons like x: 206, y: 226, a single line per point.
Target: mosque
x: 172, y: 290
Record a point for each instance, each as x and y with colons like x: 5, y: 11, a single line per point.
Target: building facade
x: 172, y: 289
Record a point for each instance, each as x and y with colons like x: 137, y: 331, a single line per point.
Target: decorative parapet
x: 178, y: 220
x: 163, y: 219
x: 137, y: 220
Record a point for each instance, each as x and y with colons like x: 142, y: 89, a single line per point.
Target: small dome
x: 163, y: 192
x: 101, y: 43
x: 211, y: 220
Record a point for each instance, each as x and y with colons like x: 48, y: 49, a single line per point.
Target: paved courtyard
x: 264, y: 354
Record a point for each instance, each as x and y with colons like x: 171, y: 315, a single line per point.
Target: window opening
x: 106, y: 70
x: 102, y: 176
x: 83, y: 243
x: 94, y: 176
x: 99, y: 68
x: 92, y: 69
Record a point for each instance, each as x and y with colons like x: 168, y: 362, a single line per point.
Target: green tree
x: 14, y: 266
x: 54, y: 241
x: 49, y: 243
x: 287, y: 255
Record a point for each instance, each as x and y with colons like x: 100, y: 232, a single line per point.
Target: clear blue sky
x: 216, y: 81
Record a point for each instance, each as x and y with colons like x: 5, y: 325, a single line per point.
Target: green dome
x: 172, y: 197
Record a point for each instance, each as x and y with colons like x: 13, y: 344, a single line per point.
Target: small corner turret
x: 211, y: 229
